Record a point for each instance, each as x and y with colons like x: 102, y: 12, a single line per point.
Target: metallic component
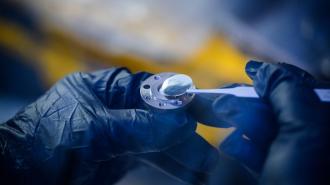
x: 172, y: 91
x: 152, y: 94
x: 240, y: 91
x: 249, y: 92
x: 323, y: 94
x: 176, y: 85
x: 180, y: 84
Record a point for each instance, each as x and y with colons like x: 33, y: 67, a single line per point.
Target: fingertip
x: 252, y: 67
x: 226, y: 108
x: 225, y: 104
x: 217, y: 112
x: 261, y: 74
x: 201, y: 109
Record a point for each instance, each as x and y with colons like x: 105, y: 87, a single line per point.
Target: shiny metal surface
x: 176, y: 85
x: 180, y: 85
x: 151, y: 95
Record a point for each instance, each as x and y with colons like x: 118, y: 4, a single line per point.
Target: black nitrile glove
x: 88, y: 128
x: 284, y: 136
x: 299, y: 154
x: 246, y: 147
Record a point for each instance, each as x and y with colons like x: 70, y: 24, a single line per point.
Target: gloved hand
x: 284, y: 136
x: 85, y: 129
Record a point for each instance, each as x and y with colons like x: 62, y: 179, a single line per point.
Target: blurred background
x: 211, y: 40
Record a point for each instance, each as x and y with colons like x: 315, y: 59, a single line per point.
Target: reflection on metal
x: 180, y: 84
x: 249, y: 92
x: 176, y: 85
x: 151, y: 95
x: 171, y: 90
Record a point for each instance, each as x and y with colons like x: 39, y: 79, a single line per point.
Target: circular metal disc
x: 150, y: 93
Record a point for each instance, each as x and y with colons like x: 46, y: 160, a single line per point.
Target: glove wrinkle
x: 300, y: 150
x: 88, y: 129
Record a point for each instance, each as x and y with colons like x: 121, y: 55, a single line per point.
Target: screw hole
x: 146, y: 86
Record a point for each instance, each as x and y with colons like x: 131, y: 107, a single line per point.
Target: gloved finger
x: 125, y: 92
x: 303, y: 125
x: 195, y: 162
x: 251, y: 116
x: 271, y: 80
x: 202, y: 109
x: 289, y: 92
x: 137, y: 130
x: 238, y: 146
x: 195, y: 154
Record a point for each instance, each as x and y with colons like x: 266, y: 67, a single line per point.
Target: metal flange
x: 150, y: 94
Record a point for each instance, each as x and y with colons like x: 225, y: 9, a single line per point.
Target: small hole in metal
x: 146, y: 86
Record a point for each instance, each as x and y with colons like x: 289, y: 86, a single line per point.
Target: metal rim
x: 150, y: 94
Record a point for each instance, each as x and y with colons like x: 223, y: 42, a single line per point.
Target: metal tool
x: 249, y: 92
x: 173, y: 91
x: 180, y: 84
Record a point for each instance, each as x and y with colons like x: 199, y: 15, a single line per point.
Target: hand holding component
x: 284, y: 137
x: 91, y: 124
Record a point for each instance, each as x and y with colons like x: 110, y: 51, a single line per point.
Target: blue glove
x: 88, y: 128
x: 246, y: 147
x: 284, y: 136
